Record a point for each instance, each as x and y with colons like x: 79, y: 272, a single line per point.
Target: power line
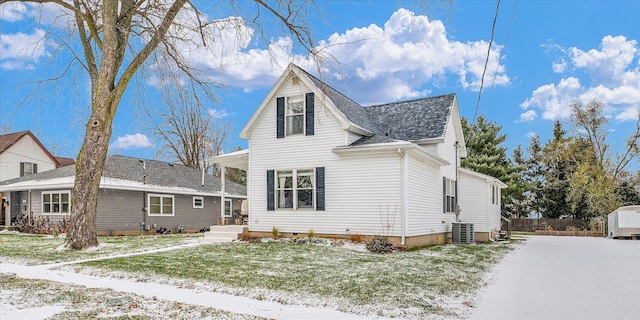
x: 486, y: 62
x: 500, y: 58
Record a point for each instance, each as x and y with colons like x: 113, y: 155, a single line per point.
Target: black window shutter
x: 309, y: 103
x: 280, y: 117
x: 22, y: 169
x: 35, y: 168
x: 271, y: 205
x: 320, y: 188
x: 455, y: 201
x: 444, y: 194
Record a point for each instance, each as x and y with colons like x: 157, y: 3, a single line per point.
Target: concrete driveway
x: 565, y: 278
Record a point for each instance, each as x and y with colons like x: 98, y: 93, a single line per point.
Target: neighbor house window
x: 227, y: 208
x: 495, y: 195
x: 449, y: 198
x: 56, y: 202
x: 294, y: 115
x: 198, y: 202
x: 28, y: 168
x: 161, y: 205
x: 295, y: 189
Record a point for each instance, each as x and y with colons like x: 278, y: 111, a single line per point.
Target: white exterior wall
x: 624, y: 221
x: 474, y: 195
x: 474, y: 201
x: 24, y: 150
x: 357, y: 187
x: 425, y: 200
x: 447, y: 151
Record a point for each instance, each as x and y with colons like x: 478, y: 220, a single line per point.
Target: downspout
x: 457, y: 146
x: 403, y: 212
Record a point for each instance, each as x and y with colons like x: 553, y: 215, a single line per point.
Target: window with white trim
x: 227, y: 208
x: 161, y: 205
x: 295, y: 189
x: 56, y: 202
x: 294, y: 114
x: 198, y: 202
x: 450, y: 195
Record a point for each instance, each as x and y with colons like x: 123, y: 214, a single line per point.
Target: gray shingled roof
x: 351, y: 109
x: 415, y: 119
x: 158, y: 173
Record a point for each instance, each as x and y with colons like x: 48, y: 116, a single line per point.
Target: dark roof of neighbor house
x: 63, y: 162
x: 411, y: 120
x: 151, y: 172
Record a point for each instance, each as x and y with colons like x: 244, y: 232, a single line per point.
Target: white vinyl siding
x: 361, y: 192
x: 424, y: 213
x: 475, y: 201
x: 24, y: 150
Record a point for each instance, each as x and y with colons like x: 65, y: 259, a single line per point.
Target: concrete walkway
x: 565, y: 278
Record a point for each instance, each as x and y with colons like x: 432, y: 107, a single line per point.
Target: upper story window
x: 294, y: 115
x: 28, y: 168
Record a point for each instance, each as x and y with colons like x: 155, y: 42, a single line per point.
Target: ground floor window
x: 198, y: 202
x: 449, y: 195
x: 227, y: 208
x: 56, y: 202
x: 295, y: 189
x: 161, y: 205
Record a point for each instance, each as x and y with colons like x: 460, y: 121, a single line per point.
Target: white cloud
x: 218, y: 114
x: 416, y: 53
x: 559, y: 67
x: 21, y: 50
x: 613, y: 78
x: 131, y: 141
x: 531, y: 134
x: 527, y: 116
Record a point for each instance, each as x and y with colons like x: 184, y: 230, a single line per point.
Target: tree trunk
x: 89, y: 166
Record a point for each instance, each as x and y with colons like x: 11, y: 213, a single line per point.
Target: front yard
x: 438, y: 281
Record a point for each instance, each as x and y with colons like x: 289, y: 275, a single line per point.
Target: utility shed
x: 624, y: 223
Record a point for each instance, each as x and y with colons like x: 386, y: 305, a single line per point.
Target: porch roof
x: 236, y: 159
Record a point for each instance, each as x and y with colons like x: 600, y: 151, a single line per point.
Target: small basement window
x: 198, y: 202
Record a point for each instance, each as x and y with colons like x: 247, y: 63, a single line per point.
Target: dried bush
x: 37, y: 225
x: 308, y: 241
x: 245, y: 237
x: 356, y: 237
x: 379, y: 244
x: 311, y: 233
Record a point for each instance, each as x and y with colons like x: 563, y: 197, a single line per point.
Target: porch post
x: 223, y: 181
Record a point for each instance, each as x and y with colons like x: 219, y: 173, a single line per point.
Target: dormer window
x: 294, y: 115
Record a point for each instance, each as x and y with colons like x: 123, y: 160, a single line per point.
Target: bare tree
x: 111, y: 41
x: 188, y: 132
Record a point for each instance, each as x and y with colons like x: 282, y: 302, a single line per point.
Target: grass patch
x: 418, y: 282
x: 38, y: 249
x: 78, y: 302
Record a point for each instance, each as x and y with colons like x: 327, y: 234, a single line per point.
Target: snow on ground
x: 564, y: 278
x: 156, y: 291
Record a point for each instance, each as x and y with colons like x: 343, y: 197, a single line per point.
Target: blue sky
x: 556, y: 52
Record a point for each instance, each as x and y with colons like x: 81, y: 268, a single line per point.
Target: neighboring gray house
x: 135, y: 195
x: 320, y: 161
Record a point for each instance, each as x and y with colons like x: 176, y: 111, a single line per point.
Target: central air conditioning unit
x: 462, y: 233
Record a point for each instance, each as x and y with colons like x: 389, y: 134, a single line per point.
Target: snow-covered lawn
x: 436, y: 282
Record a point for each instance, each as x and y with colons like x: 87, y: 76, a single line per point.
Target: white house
x: 479, y: 203
x: 21, y: 154
x: 319, y: 161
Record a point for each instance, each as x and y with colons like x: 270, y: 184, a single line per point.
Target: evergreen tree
x: 555, y: 187
x: 485, y: 154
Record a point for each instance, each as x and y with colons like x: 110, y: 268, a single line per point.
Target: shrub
x: 275, y: 233
x: 309, y: 241
x: 356, y: 237
x: 37, y: 225
x: 311, y: 234
x: 379, y: 244
x: 245, y: 237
